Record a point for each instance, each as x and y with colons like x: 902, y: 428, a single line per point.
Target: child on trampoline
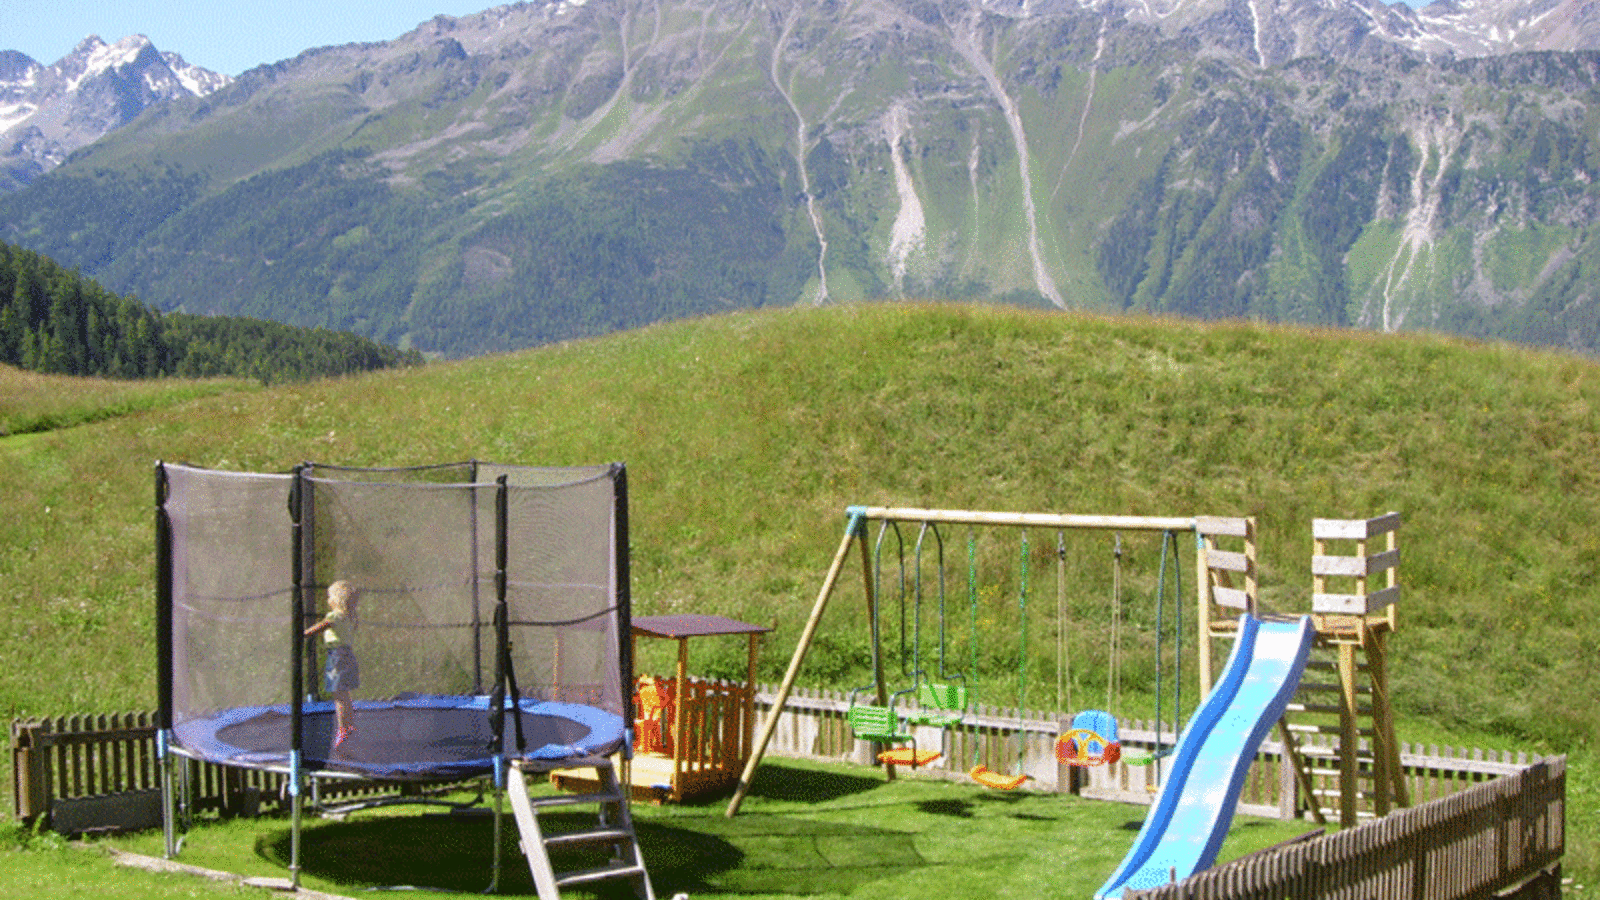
x: 342, y: 673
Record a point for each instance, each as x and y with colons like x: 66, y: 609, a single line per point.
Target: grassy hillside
x: 747, y: 435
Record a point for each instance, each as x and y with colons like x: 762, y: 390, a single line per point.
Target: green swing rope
x: 972, y: 614
x: 1168, y: 542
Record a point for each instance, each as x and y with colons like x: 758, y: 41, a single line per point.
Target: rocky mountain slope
x: 547, y: 170
x: 46, y: 112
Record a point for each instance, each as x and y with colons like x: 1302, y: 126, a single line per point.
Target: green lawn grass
x: 746, y: 436
x: 807, y: 829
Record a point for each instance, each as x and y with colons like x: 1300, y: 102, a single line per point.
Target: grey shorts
x: 342, y: 672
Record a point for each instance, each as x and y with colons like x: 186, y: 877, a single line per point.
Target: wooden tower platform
x: 1345, y: 693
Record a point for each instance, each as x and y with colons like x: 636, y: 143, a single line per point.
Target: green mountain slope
x: 540, y: 172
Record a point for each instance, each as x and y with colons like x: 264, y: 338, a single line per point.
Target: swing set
x: 943, y: 693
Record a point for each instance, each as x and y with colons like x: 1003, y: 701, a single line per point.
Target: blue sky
x: 227, y: 36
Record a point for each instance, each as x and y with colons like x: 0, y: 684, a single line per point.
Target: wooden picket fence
x: 61, y: 762
x: 1508, y: 834
x: 815, y: 726
x: 82, y: 773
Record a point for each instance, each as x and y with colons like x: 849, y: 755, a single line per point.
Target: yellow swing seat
x: 983, y: 776
x: 908, y: 756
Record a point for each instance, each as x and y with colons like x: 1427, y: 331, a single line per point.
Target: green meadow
x: 746, y: 436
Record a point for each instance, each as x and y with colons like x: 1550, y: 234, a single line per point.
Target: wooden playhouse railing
x: 696, y: 746
x: 714, y: 731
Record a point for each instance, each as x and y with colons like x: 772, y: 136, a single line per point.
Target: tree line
x: 54, y: 320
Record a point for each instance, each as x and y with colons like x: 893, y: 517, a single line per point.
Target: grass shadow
x: 961, y: 809
x: 780, y: 854
x: 755, y: 853
x: 775, y: 781
x: 456, y: 853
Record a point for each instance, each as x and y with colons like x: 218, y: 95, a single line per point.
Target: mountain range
x: 550, y: 170
x: 47, y: 112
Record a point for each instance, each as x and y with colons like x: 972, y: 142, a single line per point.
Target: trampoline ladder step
x: 595, y: 836
x: 614, y: 827
x: 576, y: 800
x: 604, y: 873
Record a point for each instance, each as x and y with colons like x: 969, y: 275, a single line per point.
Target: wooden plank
x: 1355, y: 604
x: 134, y: 811
x: 1233, y: 598
x: 1227, y: 560
x: 1030, y: 520
x: 1220, y: 526
x: 1354, y: 529
x: 1355, y: 566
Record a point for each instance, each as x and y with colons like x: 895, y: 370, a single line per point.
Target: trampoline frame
x: 504, y: 695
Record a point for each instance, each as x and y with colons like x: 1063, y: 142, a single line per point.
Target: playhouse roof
x: 692, y: 625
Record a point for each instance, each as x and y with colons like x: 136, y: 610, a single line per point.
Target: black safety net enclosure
x: 488, y: 619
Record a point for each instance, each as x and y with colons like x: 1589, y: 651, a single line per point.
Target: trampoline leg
x: 294, y: 840
x: 296, y: 808
x: 499, y: 815
x: 168, y: 813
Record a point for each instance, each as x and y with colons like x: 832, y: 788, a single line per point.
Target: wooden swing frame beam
x: 1211, y: 567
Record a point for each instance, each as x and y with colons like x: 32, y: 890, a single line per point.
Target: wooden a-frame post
x: 855, y: 531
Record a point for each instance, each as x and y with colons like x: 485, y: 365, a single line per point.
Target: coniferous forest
x: 54, y: 320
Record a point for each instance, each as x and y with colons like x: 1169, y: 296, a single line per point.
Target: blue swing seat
x: 1091, y: 740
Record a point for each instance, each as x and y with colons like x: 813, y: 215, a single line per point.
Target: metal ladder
x: 614, y: 828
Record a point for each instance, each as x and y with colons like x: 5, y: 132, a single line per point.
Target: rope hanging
x: 1114, y: 664
x: 1063, y: 652
x: 1022, y: 651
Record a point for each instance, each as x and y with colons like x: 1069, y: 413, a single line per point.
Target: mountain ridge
x: 543, y: 171
x: 47, y: 112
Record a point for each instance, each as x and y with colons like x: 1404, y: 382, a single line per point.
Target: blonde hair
x: 340, y: 595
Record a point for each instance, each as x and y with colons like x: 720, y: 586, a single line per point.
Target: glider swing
x: 938, y: 703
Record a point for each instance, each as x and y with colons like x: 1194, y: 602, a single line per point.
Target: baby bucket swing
x: 1092, y: 737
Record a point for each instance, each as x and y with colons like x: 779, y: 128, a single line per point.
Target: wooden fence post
x: 30, y: 770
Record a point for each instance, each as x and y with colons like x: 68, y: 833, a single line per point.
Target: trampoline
x: 492, y: 625
x: 425, y: 738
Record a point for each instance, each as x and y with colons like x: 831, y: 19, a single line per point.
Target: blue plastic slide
x: 1186, y: 825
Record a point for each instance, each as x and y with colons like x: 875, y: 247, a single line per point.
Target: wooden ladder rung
x: 1326, y: 709
x: 1331, y: 687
